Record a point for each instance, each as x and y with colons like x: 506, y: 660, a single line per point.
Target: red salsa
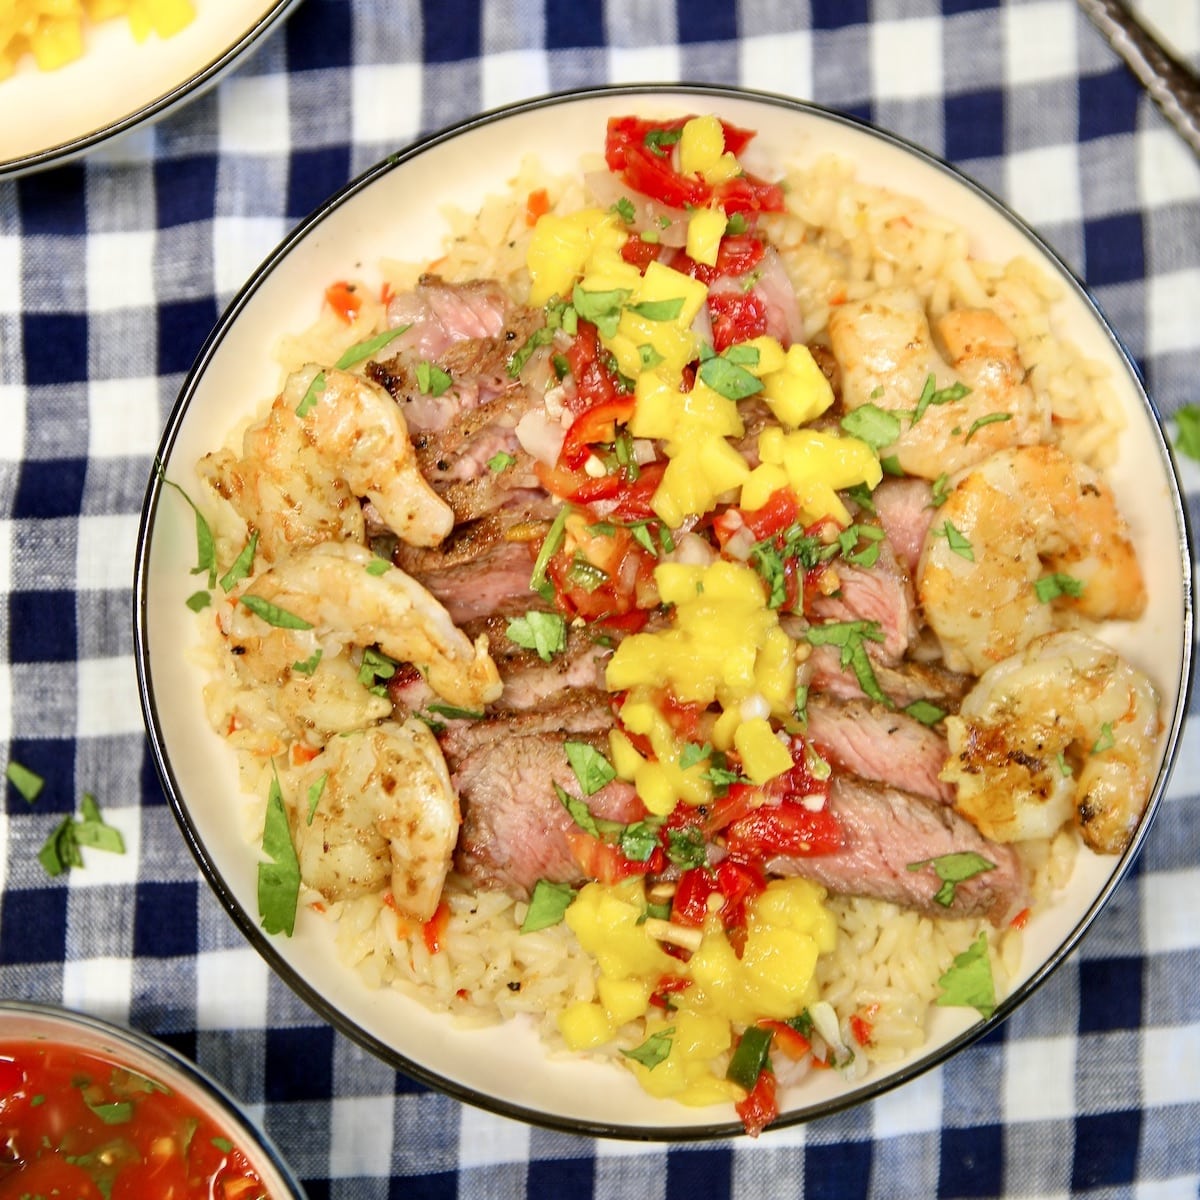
x: 79, y: 1126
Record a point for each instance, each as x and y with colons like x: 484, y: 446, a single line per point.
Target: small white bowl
x: 50, y: 117
x: 22, y: 1022
x: 394, y: 209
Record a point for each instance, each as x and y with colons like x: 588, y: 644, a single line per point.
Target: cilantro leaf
x: 876, y: 426
x: 591, y: 768
x: 578, y: 811
x: 241, y: 565
x: 1051, y: 587
x: 308, y: 665
x: 659, y: 310
x: 986, y: 419
x: 361, y: 351
x: 958, y: 541
x: 28, y: 783
x: 278, y: 878
x: 603, y: 309
x: 500, y: 460
x: 206, y: 546
x: 1187, y: 430
x: 728, y: 379
x: 851, y: 638
x: 953, y: 869
x: 653, y: 1050
x: 311, y: 395
x: 432, y: 380
x: 315, y: 792
x: 548, y: 904
x: 544, y: 632
x: 272, y: 613
x: 969, y: 983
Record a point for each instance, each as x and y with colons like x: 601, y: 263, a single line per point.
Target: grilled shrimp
x: 1064, y: 729
x: 1022, y: 515
x: 887, y: 354
x: 329, y: 439
x: 377, y: 810
x: 335, y: 589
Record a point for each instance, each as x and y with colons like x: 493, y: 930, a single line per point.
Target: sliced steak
x: 581, y: 712
x: 515, y: 830
x: 878, y: 743
x: 906, y: 511
x: 882, y: 593
x: 903, y: 684
x: 481, y: 569
x: 886, y: 832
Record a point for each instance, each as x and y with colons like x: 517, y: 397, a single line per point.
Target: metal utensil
x: 1171, y: 83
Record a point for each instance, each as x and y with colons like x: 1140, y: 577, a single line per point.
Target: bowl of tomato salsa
x: 91, y: 1111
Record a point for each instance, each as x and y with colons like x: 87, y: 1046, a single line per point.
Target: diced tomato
x: 760, y: 1107
x: 786, y: 828
x: 650, y: 170
x: 627, y: 582
x: 748, y: 194
x: 595, y: 381
x: 779, y: 512
x: 434, y: 930
x: 605, y: 862
x: 594, y: 426
x: 861, y: 1026
x: 738, y: 254
x: 683, y: 716
x: 739, y: 882
x: 787, y: 1039
x: 343, y: 299
x: 537, y: 204
x: 633, y: 502
x: 667, y: 986
x: 639, y: 253
x: 736, y: 316
x: 689, y: 905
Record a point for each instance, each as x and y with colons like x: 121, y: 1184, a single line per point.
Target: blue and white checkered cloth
x: 112, y: 271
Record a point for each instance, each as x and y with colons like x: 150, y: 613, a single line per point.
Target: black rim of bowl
x: 860, y: 1092
x: 172, y: 1062
x: 190, y: 89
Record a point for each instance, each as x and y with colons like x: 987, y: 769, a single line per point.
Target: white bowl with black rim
x: 394, y: 209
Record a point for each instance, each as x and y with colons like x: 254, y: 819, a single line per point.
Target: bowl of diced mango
x: 76, y: 73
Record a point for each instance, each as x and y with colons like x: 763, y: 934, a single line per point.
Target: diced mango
x: 799, y: 392
x: 763, y: 755
x: 585, y: 1025
x: 623, y: 999
x: 561, y: 247
x: 705, y: 230
x: 701, y: 144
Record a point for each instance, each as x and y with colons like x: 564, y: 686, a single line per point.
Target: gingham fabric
x: 113, y: 270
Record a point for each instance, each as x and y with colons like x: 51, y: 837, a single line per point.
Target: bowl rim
x: 861, y: 1092
x: 156, y: 107
x: 170, y: 1061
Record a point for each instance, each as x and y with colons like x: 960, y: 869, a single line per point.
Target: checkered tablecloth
x: 112, y: 271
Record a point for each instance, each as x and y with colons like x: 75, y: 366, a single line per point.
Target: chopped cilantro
x: 198, y: 601
x: 1187, y: 430
x: 306, y: 666
x: 548, y: 904
x: 550, y: 543
x: 1105, y: 741
x: 603, y: 309
x: 871, y: 424
x: 931, y: 394
x: 544, y: 632
x: 241, y: 565
x: 432, y: 380
x: 658, y: 140
x: 958, y: 542
x: 311, y: 395
x: 272, y: 613
x: 851, y: 637
x: 378, y: 566
x: 279, y: 876
x: 986, y: 419
x: 315, y: 792
x: 953, y: 869
x: 500, y: 461
x: 206, y: 546
x: 361, y: 351
x: 728, y: 378
x: 653, y: 1050
x: 28, y: 783
x: 925, y: 712
x: 1051, y: 587
x: 624, y: 209
x: 658, y: 310
x: 591, y: 768
x: 969, y: 983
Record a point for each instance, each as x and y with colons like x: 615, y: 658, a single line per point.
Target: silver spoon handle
x: 1172, y: 84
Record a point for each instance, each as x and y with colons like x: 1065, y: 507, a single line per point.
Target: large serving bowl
x: 395, y: 209
x: 62, y: 1030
